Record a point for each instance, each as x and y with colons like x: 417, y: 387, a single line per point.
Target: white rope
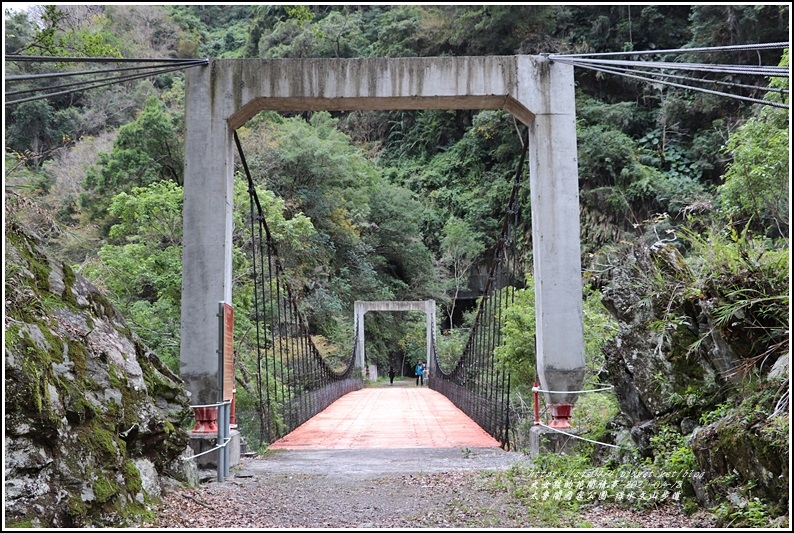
x: 576, y: 436
x: 537, y: 389
x: 225, y: 402
x: 218, y: 447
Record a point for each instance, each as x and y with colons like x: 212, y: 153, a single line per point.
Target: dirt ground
x: 379, y: 489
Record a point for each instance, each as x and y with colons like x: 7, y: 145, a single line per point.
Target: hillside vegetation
x: 684, y: 201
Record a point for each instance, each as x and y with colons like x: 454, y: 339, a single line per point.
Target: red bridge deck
x: 402, y: 415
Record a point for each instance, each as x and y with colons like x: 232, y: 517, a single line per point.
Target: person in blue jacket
x: 420, y: 373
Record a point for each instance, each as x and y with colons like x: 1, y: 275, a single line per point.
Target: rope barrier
x: 225, y: 402
x: 217, y: 447
x: 537, y: 389
x: 577, y: 436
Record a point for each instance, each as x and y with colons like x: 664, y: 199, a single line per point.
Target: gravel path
x: 382, y: 488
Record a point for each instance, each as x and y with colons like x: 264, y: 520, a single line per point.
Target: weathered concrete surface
x: 373, y: 462
x: 540, y: 93
x: 369, y: 84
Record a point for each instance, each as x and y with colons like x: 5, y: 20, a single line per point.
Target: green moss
x: 23, y: 524
x: 33, y: 384
x: 36, y: 263
x: 103, y: 442
x: 135, y: 512
x: 11, y: 335
x: 132, y: 477
x: 78, y: 354
x: 76, y: 506
x: 104, y: 489
x: 125, y: 412
x: 55, y: 353
x: 68, y: 280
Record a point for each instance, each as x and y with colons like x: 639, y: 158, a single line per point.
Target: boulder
x: 94, y: 421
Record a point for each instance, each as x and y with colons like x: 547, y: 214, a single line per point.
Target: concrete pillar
x: 359, y: 310
x: 547, y: 90
x: 207, y: 231
x: 430, y: 321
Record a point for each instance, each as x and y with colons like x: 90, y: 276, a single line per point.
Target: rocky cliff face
x: 675, y: 371
x: 92, y: 418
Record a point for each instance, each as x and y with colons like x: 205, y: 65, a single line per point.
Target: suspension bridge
x: 294, y: 382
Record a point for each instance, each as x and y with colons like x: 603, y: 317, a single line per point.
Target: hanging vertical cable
x: 476, y: 385
x: 294, y: 382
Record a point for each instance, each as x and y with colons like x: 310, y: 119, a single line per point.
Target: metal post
x: 223, y: 422
x: 536, y: 397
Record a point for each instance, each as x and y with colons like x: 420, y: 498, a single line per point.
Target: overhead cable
x: 682, y: 86
x: 730, y: 48
x: 644, y: 70
x: 781, y: 72
x: 93, y: 86
x: 160, y: 66
x: 706, y: 80
x: 52, y: 59
x: 25, y: 77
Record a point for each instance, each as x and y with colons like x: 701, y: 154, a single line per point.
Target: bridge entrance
x: 361, y: 308
x: 223, y: 95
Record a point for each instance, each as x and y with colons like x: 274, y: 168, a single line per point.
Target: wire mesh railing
x: 293, y: 380
x: 477, y: 385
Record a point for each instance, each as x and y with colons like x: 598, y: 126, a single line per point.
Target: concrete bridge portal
x: 223, y: 95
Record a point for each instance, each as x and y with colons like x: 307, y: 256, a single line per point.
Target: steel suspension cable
x: 60, y: 59
x: 728, y: 48
x: 161, y: 65
x: 47, y: 75
x: 475, y: 384
x: 258, y: 315
x: 781, y: 72
x: 703, y: 80
x: 91, y: 86
x: 302, y: 381
x: 672, y: 84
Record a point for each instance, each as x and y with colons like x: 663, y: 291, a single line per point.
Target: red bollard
x: 206, y: 419
x: 560, y: 415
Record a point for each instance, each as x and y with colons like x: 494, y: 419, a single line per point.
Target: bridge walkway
x: 402, y: 415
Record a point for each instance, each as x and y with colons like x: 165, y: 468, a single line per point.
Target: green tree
x: 19, y: 31
x: 142, y: 273
x: 395, y: 235
x: 58, y: 37
x: 33, y: 130
x: 757, y: 180
x: 397, y: 32
x: 145, y: 151
x: 517, y: 352
x: 461, y: 247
